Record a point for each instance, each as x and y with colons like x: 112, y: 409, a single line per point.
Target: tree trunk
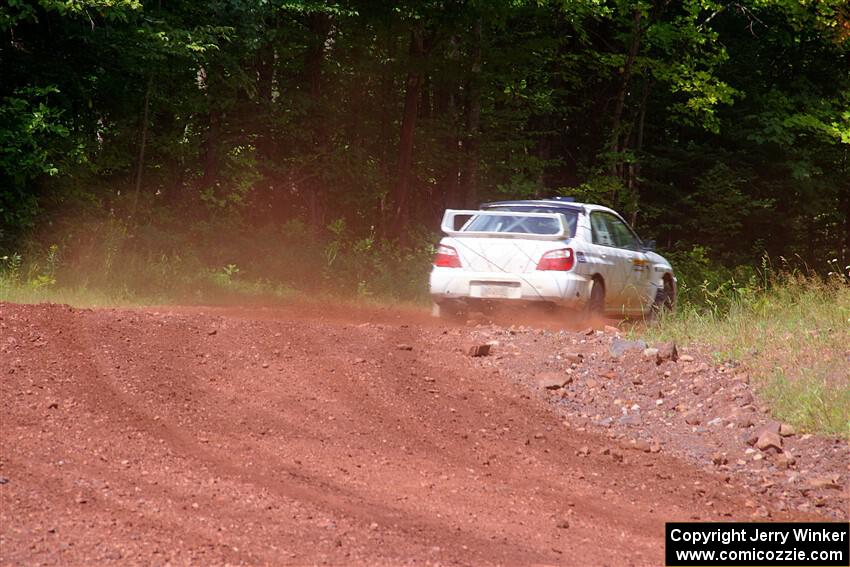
x: 388, y: 88
x: 211, y: 165
x: 619, y: 106
x: 426, y: 108
x: 845, y: 193
x: 384, y: 205
x: 472, y: 141
x: 544, y: 152
x: 265, y: 67
x: 401, y: 191
x: 142, y: 146
x: 265, y: 73
x: 320, y: 26
x: 634, y: 168
x: 446, y: 108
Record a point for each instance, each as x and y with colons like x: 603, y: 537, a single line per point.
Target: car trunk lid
x: 503, y: 241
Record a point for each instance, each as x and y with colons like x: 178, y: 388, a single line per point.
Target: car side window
x: 608, y: 230
x: 599, y: 230
x: 621, y: 233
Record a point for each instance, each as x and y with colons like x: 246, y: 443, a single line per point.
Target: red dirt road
x: 295, y: 437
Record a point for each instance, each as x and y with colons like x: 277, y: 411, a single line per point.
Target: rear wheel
x: 446, y: 310
x: 596, y: 302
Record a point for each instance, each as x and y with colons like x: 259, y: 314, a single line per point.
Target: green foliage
x: 35, y: 276
x: 154, y: 142
x: 32, y: 136
x: 18, y: 11
x: 607, y: 190
x: 27, y: 125
x: 227, y: 283
x: 263, y: 263
x: 707, y: 286
x: 370, y: 266
x: 11, y: 270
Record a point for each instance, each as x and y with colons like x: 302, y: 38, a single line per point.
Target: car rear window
x: 517, y: 224
x: 530, y: 225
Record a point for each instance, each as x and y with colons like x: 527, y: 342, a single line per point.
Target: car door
x: 635, y: 264
x: 608, y: 260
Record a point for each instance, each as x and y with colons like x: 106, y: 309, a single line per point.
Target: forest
x: 269, y: 145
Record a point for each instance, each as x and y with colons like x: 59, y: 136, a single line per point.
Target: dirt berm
x: 370, y: 437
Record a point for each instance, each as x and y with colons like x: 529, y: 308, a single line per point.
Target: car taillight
x: 446, y: 257
x: 558, y: 260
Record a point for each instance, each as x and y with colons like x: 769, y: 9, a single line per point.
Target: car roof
x: 557, y: 202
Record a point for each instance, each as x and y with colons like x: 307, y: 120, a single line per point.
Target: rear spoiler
x: 450, y: 214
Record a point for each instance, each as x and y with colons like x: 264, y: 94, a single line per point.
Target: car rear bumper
x: 563, y: 288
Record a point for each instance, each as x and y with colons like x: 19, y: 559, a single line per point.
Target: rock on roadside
x: 478, y: 350
x: 667, y: 351
x: 769, y: 440
x: 552, y: 380
x: 619, y: 347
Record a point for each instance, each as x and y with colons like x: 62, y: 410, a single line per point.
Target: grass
x: 792, y: 335
x: 37, y: 283
x: 247, y: 293
x: 78, y: 297
x: 219, y: 288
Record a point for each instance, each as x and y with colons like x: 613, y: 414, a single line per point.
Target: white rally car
x: 553, y: 250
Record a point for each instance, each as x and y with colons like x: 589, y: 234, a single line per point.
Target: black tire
x: 665, y: 298
x: 596, y: 302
